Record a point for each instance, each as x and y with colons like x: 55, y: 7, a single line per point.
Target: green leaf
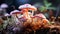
x: 46, y: 6
x: 42, y: 8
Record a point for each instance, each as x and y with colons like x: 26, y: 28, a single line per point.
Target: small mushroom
x: 4, y: 5
x: 15, y: 15
x: 15, y: 12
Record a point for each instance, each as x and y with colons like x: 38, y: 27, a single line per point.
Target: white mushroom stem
x: 32, y: 13
x: 14, y: 18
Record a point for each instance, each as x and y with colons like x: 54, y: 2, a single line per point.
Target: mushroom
x: 15, y: 14
x: 6, y: 15
x: 4, y: 5
x: 27, y: 7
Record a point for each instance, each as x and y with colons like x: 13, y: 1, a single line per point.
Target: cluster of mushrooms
x: 25, y: 19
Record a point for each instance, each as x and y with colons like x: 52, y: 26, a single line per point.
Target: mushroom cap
x: 6, y: 14
x: 24, y: 6
x: 15, y: 12
x: 28, y: 6
x: 33, y: 8
x: 4, y: 5
x: 40, y: 16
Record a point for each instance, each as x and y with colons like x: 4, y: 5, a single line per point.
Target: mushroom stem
x: 32, y: 13
x: 16, y: 16
x: 26, y: 14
